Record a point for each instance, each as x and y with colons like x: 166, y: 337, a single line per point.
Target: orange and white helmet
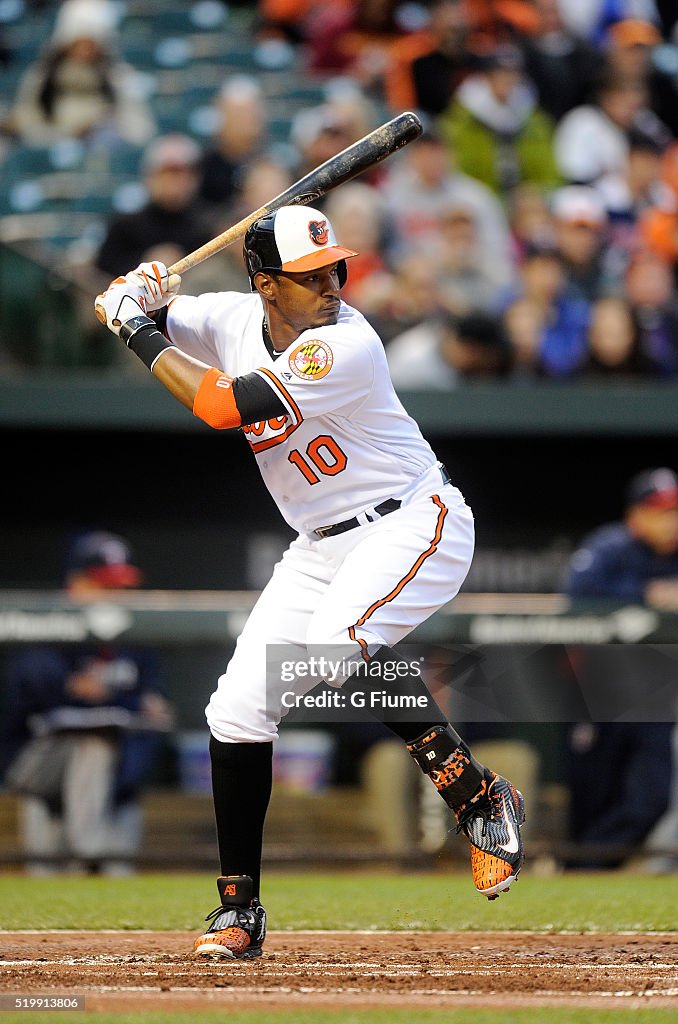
x: 294, y: 239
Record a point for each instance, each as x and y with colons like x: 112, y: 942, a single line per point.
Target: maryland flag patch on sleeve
x: 311, y: 360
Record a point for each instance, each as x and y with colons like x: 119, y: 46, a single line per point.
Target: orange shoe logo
x: 230, y: 890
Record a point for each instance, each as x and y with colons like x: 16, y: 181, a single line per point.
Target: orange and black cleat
x: 491, y: 823
x: 238, y: 925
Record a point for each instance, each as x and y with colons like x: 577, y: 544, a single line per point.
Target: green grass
x: 359, y: 900
x: 554, y: 1015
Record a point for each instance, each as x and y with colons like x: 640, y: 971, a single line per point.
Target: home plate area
x: 135, y: 969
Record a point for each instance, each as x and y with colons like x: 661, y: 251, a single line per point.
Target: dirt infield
x: 154, y: 970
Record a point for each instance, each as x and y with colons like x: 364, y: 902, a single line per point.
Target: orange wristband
x: 214, y: 401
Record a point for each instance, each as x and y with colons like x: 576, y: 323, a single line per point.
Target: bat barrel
x: 352, y: 161
x: 342, y: 167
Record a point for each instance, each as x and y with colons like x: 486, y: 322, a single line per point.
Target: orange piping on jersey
x: 214, y: 401
x: 271, y: 442
x: 406, y: 578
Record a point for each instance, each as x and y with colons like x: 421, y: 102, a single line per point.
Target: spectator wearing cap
x: 172, y: 222
x: 79, y: 87
x: 82, y: 727
x: 621, y: 773
x: 497, y: 129
x: 581, y: 223
x: 629, y: 49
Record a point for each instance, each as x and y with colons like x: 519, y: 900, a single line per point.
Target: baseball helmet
x: 293, y: 238
x: 105, y: 558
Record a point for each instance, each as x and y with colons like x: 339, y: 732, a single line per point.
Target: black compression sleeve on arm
x: 255, y: 399
x: 144, y: 339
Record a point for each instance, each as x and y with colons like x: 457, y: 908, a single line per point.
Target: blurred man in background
x: 546, y: 320
x: 172, y: 222
x: 629, y: 49
x: 81, y: 729
x: 238, y: 139
x: 496, y: 128
x: 426, y: 68
x: 448, y: 350
x: 621, y: 772
x: 581, y: 222
x: 423, y: 181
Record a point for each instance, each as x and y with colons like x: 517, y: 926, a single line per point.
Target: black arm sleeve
x: 255, y: 399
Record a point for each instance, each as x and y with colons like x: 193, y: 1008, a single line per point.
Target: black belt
x: 390, y: 505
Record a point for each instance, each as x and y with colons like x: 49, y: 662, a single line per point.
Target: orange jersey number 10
x: 324, y: 453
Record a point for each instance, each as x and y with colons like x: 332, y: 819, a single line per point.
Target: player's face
x: 658, y: 527
x: 308, y: 299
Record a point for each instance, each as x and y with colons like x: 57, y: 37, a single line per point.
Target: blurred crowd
x: 530, y: 233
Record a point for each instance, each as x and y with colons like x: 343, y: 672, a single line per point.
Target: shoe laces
x: 470, y: 813
x: 482, y: 808
x: 241, y: 914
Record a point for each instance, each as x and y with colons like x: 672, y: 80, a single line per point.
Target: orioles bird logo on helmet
x: 318, y: 233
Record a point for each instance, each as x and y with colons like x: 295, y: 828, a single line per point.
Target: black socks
x: 241, y: 786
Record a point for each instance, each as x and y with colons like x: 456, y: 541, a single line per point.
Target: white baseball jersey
x: 346, y: 443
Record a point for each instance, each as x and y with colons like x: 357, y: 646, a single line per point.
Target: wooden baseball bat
x: 349, y: 163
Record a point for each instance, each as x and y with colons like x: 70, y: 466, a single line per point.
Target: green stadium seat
x: 52, y: 335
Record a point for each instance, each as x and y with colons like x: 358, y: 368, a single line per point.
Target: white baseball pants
x: 367, y: 587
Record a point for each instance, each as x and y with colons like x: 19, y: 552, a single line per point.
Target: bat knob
x: 100, y: 313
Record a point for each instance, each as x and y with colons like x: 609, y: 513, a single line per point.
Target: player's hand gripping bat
x: 348, y: 164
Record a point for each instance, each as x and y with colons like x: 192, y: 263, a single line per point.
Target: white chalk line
x: 370, y: 968
x: 338, y: 931
x: 354, y: 990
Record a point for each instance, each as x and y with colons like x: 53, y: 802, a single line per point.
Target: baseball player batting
x: 384, y: 538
